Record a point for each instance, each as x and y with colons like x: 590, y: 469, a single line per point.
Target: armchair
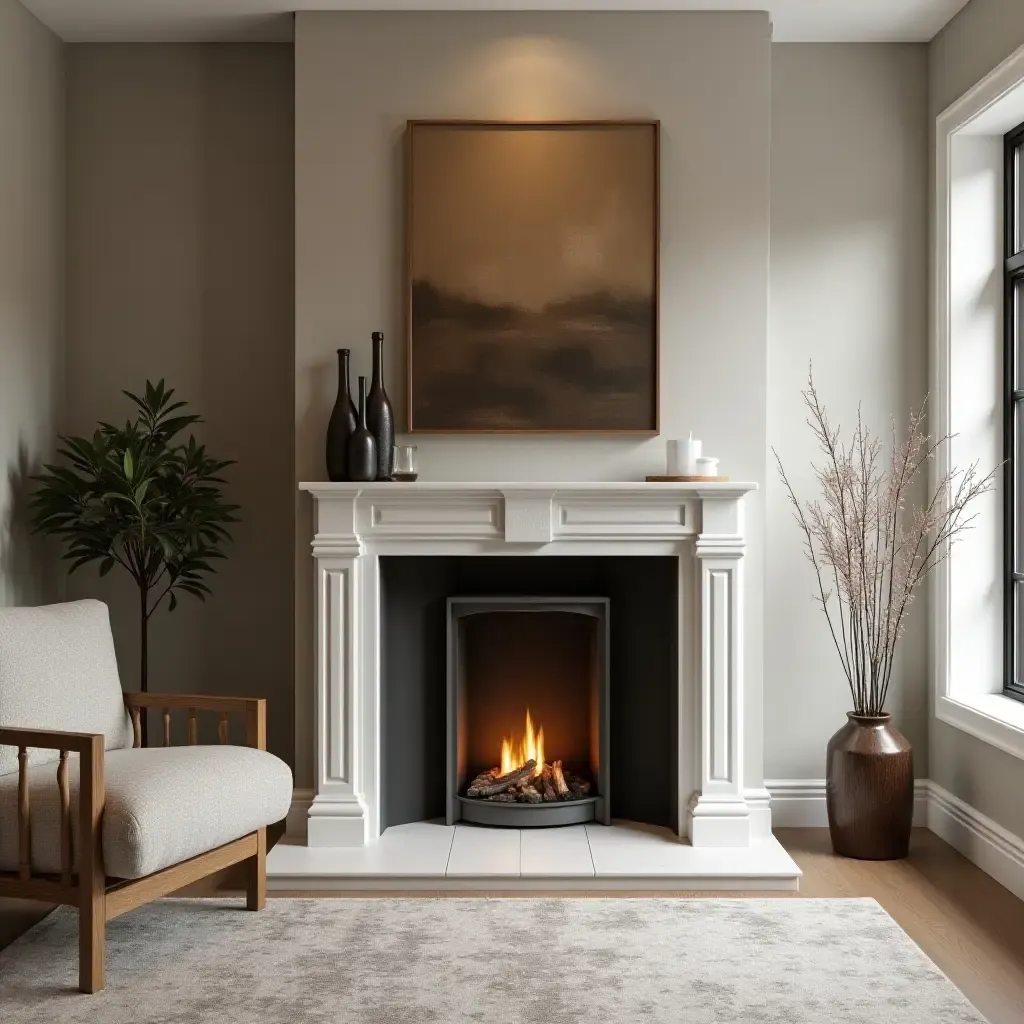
x: 90, y: 818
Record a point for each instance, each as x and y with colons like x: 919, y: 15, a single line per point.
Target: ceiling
x: 189, y: 20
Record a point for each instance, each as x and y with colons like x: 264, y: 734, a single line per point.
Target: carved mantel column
x: 719, y: 815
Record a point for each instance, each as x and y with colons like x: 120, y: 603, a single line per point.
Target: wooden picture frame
x: 531, y: 277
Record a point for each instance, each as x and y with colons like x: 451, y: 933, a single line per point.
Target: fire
x: 514, y: 754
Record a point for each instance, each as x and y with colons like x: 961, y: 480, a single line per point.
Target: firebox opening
x: 528, y: 722
x: 643, y: 653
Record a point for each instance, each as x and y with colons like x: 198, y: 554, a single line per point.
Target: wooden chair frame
x: 100, y: 899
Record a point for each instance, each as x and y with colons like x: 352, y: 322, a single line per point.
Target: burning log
x: 526, y: 785
x: 503, y: 782
x: 558, y: 781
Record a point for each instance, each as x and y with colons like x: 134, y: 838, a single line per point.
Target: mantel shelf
x: 722, y: 488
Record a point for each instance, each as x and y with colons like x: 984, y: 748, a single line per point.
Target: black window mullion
x: 1013, y: 407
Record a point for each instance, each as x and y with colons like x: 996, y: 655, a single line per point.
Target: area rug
x: 487, y: 961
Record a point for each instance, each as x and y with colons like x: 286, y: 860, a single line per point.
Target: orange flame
x: 514, y: 754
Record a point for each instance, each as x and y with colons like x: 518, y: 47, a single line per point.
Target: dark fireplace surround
x: 549, y: 656
x: 438, y: 611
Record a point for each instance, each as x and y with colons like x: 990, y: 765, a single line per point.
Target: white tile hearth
x: 428, y: 855
x: 556, y: 853
x: 483, y: 853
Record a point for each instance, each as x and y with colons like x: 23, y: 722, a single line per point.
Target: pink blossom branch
x: 876, y: 550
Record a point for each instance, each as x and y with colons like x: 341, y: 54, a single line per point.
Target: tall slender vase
x: 342, y: 424
x: 362, y: 448
x: 380, y: 417
x: 869, y: 789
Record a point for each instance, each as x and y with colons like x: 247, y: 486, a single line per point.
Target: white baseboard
x: 800, y: 803
x: 795, y: 803
x: 995, y: 850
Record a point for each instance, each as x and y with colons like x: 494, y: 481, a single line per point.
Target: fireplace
x: 685, y: 738
x: 527, y: 711
x: 658, y: 567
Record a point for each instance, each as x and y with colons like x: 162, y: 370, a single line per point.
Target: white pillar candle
x: 689, y: 454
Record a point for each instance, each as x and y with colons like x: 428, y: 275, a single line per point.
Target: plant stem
x: 144, y: 655
x: 144, y: 639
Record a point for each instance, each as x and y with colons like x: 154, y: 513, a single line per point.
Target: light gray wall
x: 849, y: 263
x: 359, y: 76
x: 984, y: 34
x: 31, y: 288
x: 180, y: 265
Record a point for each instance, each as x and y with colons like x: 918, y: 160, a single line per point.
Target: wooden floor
x: 967, y: 923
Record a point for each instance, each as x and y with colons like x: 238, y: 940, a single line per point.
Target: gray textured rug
x: 506, y: 961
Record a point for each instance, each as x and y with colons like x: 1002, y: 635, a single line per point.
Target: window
x: 977, y: 672
x: 1013, y: 424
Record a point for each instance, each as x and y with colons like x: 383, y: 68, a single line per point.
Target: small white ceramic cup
x: 707, y: 466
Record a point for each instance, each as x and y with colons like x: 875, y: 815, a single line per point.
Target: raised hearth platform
x: 622, y: 856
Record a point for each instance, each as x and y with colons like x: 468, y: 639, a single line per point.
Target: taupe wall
x: 180, y: 263
x: 31, y: 288
x: 984, y: 34
x: 180, y: 243
x: 359, y: 76
x: 849, y: 264
x: 979, y: 38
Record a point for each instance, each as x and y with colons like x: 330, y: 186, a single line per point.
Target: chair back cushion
x: 58, y: 671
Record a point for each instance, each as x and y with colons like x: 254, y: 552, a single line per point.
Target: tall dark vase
x: 362, y: 448
x: 342, y: 424
x: 380, y: 417
x: 869, y: 789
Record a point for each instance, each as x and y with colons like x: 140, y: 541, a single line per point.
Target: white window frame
x: 967, y: 401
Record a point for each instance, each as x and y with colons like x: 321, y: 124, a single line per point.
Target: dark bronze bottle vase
x: 342, y: 424
x: 380, y: 417
x: 362, y: 448
x: 869, y: 789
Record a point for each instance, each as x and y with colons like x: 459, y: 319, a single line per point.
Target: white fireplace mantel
x: 700, y: 523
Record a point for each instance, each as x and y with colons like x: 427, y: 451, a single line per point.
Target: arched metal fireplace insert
x: 527, y: 721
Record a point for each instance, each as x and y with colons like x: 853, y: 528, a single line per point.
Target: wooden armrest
x: 87, y: 743
x: 199, y: 701
x: 91, y: 797
x: 253, y: 708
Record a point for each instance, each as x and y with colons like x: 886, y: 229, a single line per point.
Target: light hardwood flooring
x: 966, y: 922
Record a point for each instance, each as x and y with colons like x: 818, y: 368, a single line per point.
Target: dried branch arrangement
x: 869, y: 548
x: 526, y: 786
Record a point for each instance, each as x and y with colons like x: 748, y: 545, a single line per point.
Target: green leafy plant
x: 139, y: 497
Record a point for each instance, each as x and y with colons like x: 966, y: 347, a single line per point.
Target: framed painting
x: 532, y: 277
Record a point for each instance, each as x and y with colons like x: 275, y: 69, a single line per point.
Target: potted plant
x: 139, y: 497
x: 871, y: 550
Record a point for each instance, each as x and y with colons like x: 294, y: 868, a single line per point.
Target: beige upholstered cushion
x: 58, y: 671
x: 164, y: 805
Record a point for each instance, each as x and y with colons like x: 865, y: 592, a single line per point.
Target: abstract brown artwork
x: 532, y: 275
